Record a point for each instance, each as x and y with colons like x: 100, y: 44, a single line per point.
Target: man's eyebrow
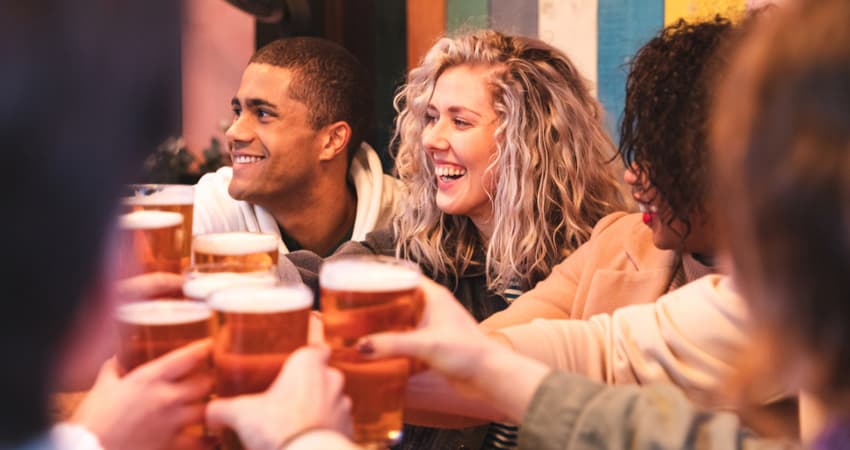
x: 255, y: 102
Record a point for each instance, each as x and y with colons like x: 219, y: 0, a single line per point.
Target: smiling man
x: 300, y: 167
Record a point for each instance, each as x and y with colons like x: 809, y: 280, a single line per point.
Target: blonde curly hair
x: 553, y: 180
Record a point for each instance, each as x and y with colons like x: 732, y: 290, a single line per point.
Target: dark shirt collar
x: 293, y: 245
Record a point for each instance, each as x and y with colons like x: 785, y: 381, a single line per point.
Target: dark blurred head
x: 86, y: 88
x: 664, y: 126
x: 328, y: 79
x: 781, y: 140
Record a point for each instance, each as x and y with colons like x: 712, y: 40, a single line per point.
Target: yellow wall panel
x: 692, y: 10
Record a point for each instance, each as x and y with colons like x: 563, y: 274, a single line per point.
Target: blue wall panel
x: 624, y: 25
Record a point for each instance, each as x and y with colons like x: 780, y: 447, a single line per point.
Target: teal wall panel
x: 462, y: 14
x: 624, y: 26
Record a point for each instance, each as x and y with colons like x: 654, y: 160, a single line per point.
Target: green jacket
x: 571, y: 412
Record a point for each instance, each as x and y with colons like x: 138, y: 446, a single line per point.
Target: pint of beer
x: 360, y: 296
x: 149, y: 242
x: 256, y: 331
x: 179, y: 198
x: 150, y: 329
x: 202, y: 280
x: 244, y: 250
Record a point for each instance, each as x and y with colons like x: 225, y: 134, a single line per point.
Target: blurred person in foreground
x: 781, y: 140
x: 79, y: 108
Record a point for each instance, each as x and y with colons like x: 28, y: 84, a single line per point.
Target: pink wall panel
x: 218, y: 40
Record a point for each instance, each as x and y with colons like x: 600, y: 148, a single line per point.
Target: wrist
x: 291, y: 437
x: 508, y: 380
x: 76, y: 436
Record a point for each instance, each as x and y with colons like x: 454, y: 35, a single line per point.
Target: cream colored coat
x: 633, y: 331
x: 618, y: 266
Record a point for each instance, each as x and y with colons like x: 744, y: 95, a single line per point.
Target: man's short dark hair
x: 328, y: 79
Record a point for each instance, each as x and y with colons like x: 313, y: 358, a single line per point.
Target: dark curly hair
x: 664, y: 126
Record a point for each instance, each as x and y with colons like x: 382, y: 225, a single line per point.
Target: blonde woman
x: 504, y: 161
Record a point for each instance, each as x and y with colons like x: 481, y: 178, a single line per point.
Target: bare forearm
x: 507, y: 381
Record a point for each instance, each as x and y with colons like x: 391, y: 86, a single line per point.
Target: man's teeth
x: 449, y: 172
x: 244, y: 159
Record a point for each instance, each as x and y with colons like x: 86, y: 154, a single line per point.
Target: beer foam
x: 235, y: 243
x: 163, y: 312
x: 144, y: 220
x: 367, y: 275
x: 205, y: 284
x: 162, y: 195
x: 247, y: 299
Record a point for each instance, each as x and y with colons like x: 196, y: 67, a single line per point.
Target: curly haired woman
x: 636, y: 258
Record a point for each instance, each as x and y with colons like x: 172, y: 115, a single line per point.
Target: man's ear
x: 335, y: 139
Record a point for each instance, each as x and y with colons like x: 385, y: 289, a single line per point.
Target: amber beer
x: 149, y: 242
x: 256, y: 331
x: 150, y: 329
x: 179, y: 198
x: 202, y: 280
x: 360, y: 296
x: 243, y: 250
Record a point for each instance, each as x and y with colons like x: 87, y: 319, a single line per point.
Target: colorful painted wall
x: 598, y: 35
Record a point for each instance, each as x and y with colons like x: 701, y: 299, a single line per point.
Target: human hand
x: 150, y: 285
x: 151, y: 406
x: 306, y: 395
x: 316, y: 330
x: 447, y: 339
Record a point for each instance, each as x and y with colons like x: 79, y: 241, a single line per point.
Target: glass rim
x: 228, y: 237
x: 389, y: 261
x: 156, y: 220
x: 217, y: 299
x: 392, y: 260
x: 144, y: 304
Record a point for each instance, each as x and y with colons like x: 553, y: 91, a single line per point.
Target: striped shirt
x: 502, y: 436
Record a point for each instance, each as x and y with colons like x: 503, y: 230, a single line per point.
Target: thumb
x: 108, y: 372
x: 222, y: 412
x: 383, y: 345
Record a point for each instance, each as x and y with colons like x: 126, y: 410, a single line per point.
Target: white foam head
x: 236, y: 243
x: 149, y: 220
x: 161, y: 194
x: 258, y: 300
x: 163, y: 312
x: 201, y: 285
x: 368, y: 275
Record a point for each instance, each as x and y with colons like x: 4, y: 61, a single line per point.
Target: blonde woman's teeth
x: 449, y: 172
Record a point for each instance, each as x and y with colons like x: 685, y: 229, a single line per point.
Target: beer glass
x: 201, y: 280
x: 150, y: 329
x: 360, y: 296
x: 256, y: 329
x: 244, y: 250
x: 149, y: 241
x: 179, y: 198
